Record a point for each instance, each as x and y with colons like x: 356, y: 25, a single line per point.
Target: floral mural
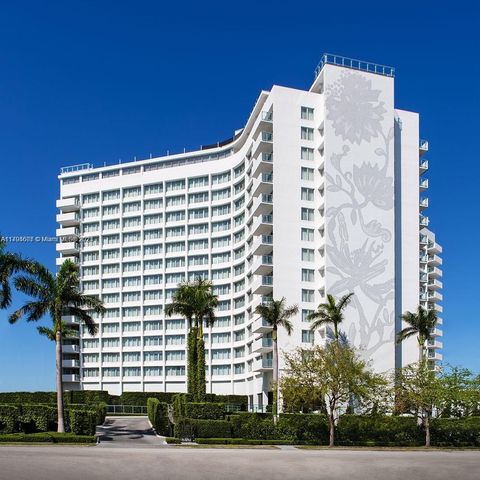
x: 359, y: 207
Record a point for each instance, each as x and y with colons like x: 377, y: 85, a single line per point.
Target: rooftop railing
x: 76, y: 168
x: 361, y: 65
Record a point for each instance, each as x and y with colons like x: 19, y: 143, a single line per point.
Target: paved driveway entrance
x: 126, y: 431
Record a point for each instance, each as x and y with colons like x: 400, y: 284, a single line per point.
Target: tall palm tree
x: 51, y: 333
x: 330, y: 312
x: 56, y: 295
x: 10, y: 264
x: 276, y: 314
x: 421, y: 323
x: 195, y: 302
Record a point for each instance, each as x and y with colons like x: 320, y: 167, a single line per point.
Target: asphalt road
x: 127, y: 432
x: 165, y: 463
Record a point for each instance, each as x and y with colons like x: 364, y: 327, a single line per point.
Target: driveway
x: 171, y: 463
x: 126, y: 431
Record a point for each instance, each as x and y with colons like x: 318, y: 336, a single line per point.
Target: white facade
x: 319, y: 192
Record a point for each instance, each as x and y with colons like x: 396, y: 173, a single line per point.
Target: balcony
x: 262, y: 264
x: 423, y: 185
x: 434, y: 247
x: 70, y: 320
x: 72, y: 233
x: 262, y: 184
x: 67, y: 205
x: 70, y: 363
x: 434, y: 272
x: 435, y: 306
x: 262, y: 285
x: 61, y: 260
x: 71, y: 349
x: 262, y: 345
x: 423, y: 204
x: 423, y: 240
x: 424, y: 221
x: 436, y: 332
x: 262, y: 245
x: 68, y: 219
x: 262, y: 224
x: 263, y: 204
x: 70, y: 378
x: 265, y: 122
x: 423, y: 167
x: 262, y: 364
x: 262, y: 164
x: 434, y: 260
x: 434, y: 355
x: 435, y: 296
x: 68, y: 248
x: 260, y: 325
x: 263, y: 143
x: 434, y: 284
x: 422, y: 147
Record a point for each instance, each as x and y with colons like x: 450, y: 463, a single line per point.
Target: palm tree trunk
x: 275, y: 375
x: 192, y: 361
x: 59, y: 381
x: 201, y: 387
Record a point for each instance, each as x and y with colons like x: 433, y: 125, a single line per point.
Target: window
x: 308, y: 234
x: 198, y: 182
x: 131, y: 267
x: 110, y: 327
x: 152, y: 371
x: 132, y: 252
x: 90, y: 357
x: 132, y: 371
x: 220, y: 274
x: 131, y: 312
x: 175, y: 201
x: 152, y: 310
x: 175, y: 185
x: 90, y: 271
x: 175, y: 355
x: 177, y: 371
x: 307, y: 194
x: 91, y: 198
x: 152, y: 356
x: 306, y: 113
x: 112, y: 313
x: 308, y: 174
x: 152, y: 294
x: 308, y: 275
x: 306, y: 153
x: 152, y: 249
x: 199, y: 274
x: 239, y: 368
x: 152, y: 280
x: 198, y: 197
x: 201, y: 228
x: 149, y: 219
x: 153, y: 189
x: 91, y: 227
x: 307, y: 214
x: 111, y: 195
x: 220, y: 369
x: 90, y: 257
x: 175, y: 277
x: 177, y: 216
x: 220, y: 178
x: 174, y: 339
x: 132, y: 192
x: 111, y: 210
x: 131, y: 237
x: 131, y: 357
x: 306, y: 133
x: 307, y: 295
x: 239, y: 352
x: 174, y: 247
x: 221, y: 210
x: 221, y: 289
x: 175, y: 262
x: 307, y: 336
x: 305, y: 314
x: 222, y: 322
x: 110, y: 343
x: 111, y: 372
x: 90, y: 285
x: 90, y: 343
x: 152, y: 234
x: 152, y: 204
x: 221, y: 194
x: 221, y: 242
x: 223, y: 305
x: 131, y: 222
x: 111, y: 298
x: 197, y: 244
x: 132, y: 207
x: 220, y: 337
x: 111, y: 254
x: 220, y: 258
x: 91, y: 212
x: 131, y: 341
x: 308, y: 254
x: 152, y: 264
x: 131, y: 297
x: 198, y: 213
x: 152, y: 341
x: 152, y: 325
x: 110, y: 357
x: 132, y: 282
x: 109, y: 269
x: 198, y: 260
x: 220, y: 226
x: 110, y: 239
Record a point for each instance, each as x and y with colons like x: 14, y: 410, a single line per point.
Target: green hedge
x: 73, y: 396
x: 303, y: 428
x: 37, y: 418
x: 378, y: 430
x: 190, y: 428
x: 158, y: 415
x: 204, y: 411
x: 82, y: 422
x: 456, y: 432
x: 8, y: 418
x: 44, y: 437
x: 140, y: 399
x: 240, y: 441
x: 173, y: 440
x: 256, y: 426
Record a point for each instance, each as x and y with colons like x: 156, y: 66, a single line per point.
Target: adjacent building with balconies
x: 319, y: 192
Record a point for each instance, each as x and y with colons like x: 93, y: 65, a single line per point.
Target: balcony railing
x: 267, y: 116
x: 328, y: 58
x: 267, y: 137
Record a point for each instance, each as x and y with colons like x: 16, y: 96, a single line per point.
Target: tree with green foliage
x: 331, y: 375
x: 56, y: 296
x: 330, y: 312
x: 419, y: 391
x: 10, y: 264
x: 196, y: 302
x: 422, y: 323
x: 276, y: 314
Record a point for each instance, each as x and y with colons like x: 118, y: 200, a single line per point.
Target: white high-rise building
x: 321, y: 191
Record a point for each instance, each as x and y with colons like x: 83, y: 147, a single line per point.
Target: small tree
x: 419, y: 391
x: 330, y: 375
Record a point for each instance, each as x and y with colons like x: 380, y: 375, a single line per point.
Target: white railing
x: 76, y: 168
x: 340, y: 61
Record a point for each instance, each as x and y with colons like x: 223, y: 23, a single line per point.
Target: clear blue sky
x: 97, y: 82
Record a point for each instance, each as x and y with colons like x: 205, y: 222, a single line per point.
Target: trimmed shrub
x: 82, y: 422
x: 8, y: 418
x: 179, y: 400
x: 378, y: 430
x: 204, y: 411
x: 257, y: 426
x: 158, y: 415
x: 240, y: 400
x: 456, y: 432
x: 303, y: 428
x: 87, y: 396
x: 190, y: 428
x: 239, y: 441
x: 173, y: 440
x: 51, y: 437
x: 37, y: 418
x: 72, y: 396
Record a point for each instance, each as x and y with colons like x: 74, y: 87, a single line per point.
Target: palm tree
x: 422, y: 323
x: 195, y: 302
x: 276, y: 314
x: 56, y: 296
x: 51, y: 333
x: 330, y: 312
x: 10, y: 264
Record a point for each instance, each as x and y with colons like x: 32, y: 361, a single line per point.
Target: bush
x: 204, y: 411
x: 37, y: 418
x: 72, y: 396
x: 140, y: 399
x: 235, y: 400
x: 173, y: 440
x: 303, y: 428
x: 211, y: 428
x: 179, y: 401
x: 456, y: 432
x: 239, y: 441
x: 8, y: 418
x: 50, y: 437
x: 158, y: 415
x: 378, y: 430
x: 87, y: 397
x: 82, y: 422
x: 258, y: 426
